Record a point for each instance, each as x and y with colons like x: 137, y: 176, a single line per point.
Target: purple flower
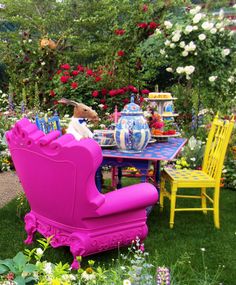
x: 163, y: 276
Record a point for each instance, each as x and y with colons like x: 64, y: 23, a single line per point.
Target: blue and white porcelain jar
x: 132, y: 133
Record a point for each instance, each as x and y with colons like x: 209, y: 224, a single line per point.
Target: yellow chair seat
x: 208, y: 177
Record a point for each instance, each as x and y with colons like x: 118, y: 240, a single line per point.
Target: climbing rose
x: 65, y: 66
x: 64, y: 79
x: 89, y: 72
x: 145, y: 91
x: 142, y: 25
x: 52, y: 93
x: 153, y: 25
x: 95, y: 93
x: 120, y: 53
x: 75, y: 72
x: 74, y: 85
x: 97, y: 78
x: 104, y: 91
x: 80, y: 68
x: 145, y: 8
x: 113, y: 93
x: 119, y: 32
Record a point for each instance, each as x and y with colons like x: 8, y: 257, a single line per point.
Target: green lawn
x: 192, y: 232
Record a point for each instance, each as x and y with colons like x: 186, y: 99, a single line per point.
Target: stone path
x: 9, y: 187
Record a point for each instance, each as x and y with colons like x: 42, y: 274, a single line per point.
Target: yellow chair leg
x: 172, y: 205
x: 204, y: 204
x: 162, y: 190
x: 216, y: 207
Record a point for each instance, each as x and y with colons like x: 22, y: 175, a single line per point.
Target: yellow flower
x: 55, y: 282
x: 89, y: 270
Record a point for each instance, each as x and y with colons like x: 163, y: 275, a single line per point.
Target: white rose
x: 39, y: 251
x: 195, y: 28
x: 202, y: 37
x: 100, y: 106
x: 197, y: 18
x: 207, y: 26
x: 176, y: 37
x: 169, y: 69
x: 172, y: 45
x: 167, y: 43
x: 168, y: 24
x: 225, y: 52
x: 180, y: 70
x: 188, y: 29
x: 162, y: 51
x: 212, y: 78
x: 231, y: 79
x: 43, y: 63
x: 189, y: 69
x: 184, y: 53
x: 219, y: 25
x: 182, y: 44
x: 195, y: 10
x: 213, y: 31
x: 190, y: 47
x: 157, y: 31
x: 29, y: 41
x: 221, y: 14
x: 222, y: 29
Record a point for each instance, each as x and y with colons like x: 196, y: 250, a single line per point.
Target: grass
x: 192, y: 231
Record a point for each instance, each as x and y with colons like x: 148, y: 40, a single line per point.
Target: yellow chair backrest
x: 216, y: 147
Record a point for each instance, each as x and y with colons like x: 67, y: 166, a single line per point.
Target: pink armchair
x: 58, y: 177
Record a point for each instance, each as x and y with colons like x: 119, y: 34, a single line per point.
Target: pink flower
x: 74, y: 85
x: 145, y: 91
x: 65, y: 66
x: 75, y: 72
x: 95, y: 93
x: 64, y: 79
x: 119, y: 32
x: 120, y: 53
x: 142, y: 25
x: 153, y: 25
x: 142, y: 247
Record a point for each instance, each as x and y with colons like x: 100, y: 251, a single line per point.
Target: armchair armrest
x: 133, y: 197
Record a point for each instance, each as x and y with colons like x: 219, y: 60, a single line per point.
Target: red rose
x: 145, y: 91
x: 52, y: 93
x: 80, y: 68
x: 59, y: 71
x: 95, y: 93
x: 120, y: 53
x: 75, y: 72
x: 119, y: 32
x: 145, y: 8
x: 152, y: 25
x: 141, y: 99
x: 66, y: 73
x: 89, y: 72
x: 55, y: 102
x: 120, y: 91
x: 65, y: 66
x: 74, y: 85
x: 64, y: 79
x: 105, y: 107
x: 104, y: 91
x: 126, y: 101
x: 98, y: 78
x: 142, y: 25
x: 113, y: 93
x: 102, y: 101
x: 133, y: 89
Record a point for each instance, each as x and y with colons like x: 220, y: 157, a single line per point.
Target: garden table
x: 153, y: 153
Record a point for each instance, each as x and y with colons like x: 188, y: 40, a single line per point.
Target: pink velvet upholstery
x: 58, y: 177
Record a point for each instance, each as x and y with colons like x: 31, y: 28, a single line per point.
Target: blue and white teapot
x: 132, y: 132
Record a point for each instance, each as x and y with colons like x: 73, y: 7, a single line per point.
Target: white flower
x: 172, y: 45
x: 180, y: 69
x: 193, y: 159
x: 169, y: 69
x: 102, y: 126
x: 29, y: 41
x: 167, y: 43
x: 222, y: 29
x: 162, y: 51
x: 188, y: 29
x: 219, y: 25
x: 213, y: 31
x: 184, y: 53
x: 195, y: 10
x: 39, y: 251
x: 207, y: 26
x: 225, y: 52
x: 192, y: 142
x: 43, y: 63
x: 202, y: 37
x: 48, y: 268
x: 100, y: 106
x: 182, y: 44
x: 176, y: 37
x: 126, y: 282
x: 88, y: 276
x: 190, y: 47
x: 221, y: 14
x: 195, y: 28
x: 203, y: 249
x: 157, y: 31
x: 231, y: 79
x: 212, y: 78
x: 168, y: 24
x: 189, y: 69
x: 197, y: 18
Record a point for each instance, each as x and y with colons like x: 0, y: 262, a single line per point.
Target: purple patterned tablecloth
x: 155, y: 151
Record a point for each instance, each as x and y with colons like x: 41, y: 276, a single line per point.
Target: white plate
x: 160, y: 99
x: 167, y: 136
x: 108, y: 145
x: 152, y: 141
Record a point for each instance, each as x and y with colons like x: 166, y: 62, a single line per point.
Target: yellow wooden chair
x: 208, y: 177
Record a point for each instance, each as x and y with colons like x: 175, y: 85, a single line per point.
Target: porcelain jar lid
x: 132, y: 108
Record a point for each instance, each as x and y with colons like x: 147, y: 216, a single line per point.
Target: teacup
x: 104, y: 137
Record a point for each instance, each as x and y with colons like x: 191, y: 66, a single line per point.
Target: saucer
x: 107, y: 145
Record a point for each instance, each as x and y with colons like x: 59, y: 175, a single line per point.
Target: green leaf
x: 29, y: 279
x: 20, y: 259
x: 8, y: 263
x: 19, y: 280
x: 30, y: 268
x: 3, y: 269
